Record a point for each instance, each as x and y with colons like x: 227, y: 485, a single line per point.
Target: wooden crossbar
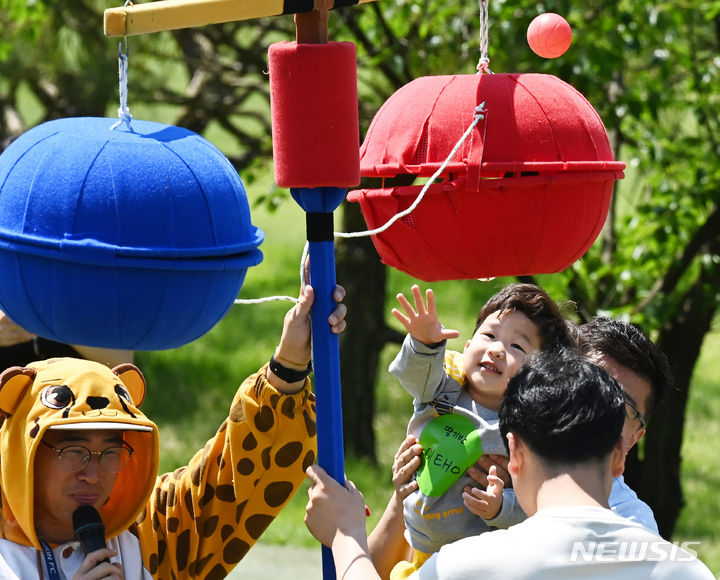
x: 175, y: 14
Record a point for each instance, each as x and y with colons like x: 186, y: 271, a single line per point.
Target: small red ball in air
x: 549, y: 35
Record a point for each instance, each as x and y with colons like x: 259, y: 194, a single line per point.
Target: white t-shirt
x: 564, y: 543
x: 18, y: 562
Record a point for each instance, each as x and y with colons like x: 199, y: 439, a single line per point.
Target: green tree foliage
x: 650, y: 69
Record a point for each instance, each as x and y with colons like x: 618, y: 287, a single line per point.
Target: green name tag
x: 451, y: 444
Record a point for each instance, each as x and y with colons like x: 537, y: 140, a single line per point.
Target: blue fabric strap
x: 50, y: 562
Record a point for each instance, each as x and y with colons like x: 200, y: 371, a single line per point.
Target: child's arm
x: 485, y: 504
x: 422, y: 322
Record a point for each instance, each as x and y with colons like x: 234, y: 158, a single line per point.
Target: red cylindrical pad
x: 314, y: 105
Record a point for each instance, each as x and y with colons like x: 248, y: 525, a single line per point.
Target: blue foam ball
x: 121, y: 239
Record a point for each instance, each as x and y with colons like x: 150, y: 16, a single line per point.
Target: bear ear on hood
x: 13, y: 383
x: 133, y: 379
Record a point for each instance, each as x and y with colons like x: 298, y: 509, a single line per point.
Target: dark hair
x: 534, y: 303
x: 627, y: 345
x: 565, y: 408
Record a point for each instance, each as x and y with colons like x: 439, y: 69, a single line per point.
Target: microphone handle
x: 89, y: 529
x: 91, y: 538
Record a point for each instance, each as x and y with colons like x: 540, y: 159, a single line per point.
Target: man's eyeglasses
x: 633, y: 414
x: 76, y: 457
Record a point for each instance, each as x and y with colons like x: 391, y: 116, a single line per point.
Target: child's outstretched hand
x: 485, y: 504
x: 422, y: 322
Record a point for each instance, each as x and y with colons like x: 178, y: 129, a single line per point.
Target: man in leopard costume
x: 72, y: 435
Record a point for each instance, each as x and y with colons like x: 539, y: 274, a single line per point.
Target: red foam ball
x: 549, y: 35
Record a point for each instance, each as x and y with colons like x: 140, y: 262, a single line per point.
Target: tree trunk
x: 655, y: 476
x: 362, y: 274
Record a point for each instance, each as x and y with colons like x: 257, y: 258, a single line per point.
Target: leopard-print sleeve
x: 202, y: 519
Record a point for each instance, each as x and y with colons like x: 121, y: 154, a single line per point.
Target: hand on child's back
x: 479, y: 471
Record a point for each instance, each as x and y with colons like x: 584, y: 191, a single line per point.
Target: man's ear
x: 636, y: 436
x: 517, y: 454
x: 617, y: 460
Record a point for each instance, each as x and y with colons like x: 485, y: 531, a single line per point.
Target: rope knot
x: 123, y: 109
x: 484, y: 62
x: 483, y: 65
x: 124, y: 116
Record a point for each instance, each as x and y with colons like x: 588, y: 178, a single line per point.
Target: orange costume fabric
x: 197, y: 522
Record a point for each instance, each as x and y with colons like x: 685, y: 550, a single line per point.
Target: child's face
x: 495, y: 353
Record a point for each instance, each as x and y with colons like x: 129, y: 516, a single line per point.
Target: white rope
x: 303, y: 281
x: 123, y: 110
x: 483, y: 64
x: 477, y: 117
x: 266, y: 299
x: 303, y: 261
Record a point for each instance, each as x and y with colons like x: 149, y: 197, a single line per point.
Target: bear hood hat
x: 68, y: 393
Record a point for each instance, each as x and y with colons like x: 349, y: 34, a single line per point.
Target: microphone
x: 89, y: 529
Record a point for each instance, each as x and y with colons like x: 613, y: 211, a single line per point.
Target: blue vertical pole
x: 319, y: 204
